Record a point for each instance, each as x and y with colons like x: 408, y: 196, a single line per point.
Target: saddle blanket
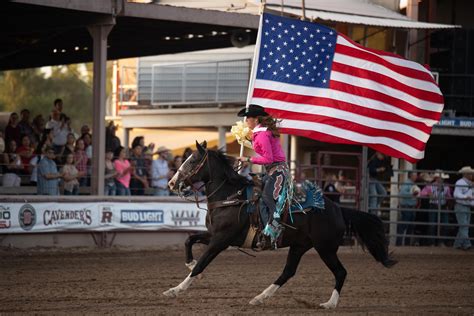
x: 306, y: 195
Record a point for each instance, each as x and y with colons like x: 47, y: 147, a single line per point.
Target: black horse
x: 322, y: 230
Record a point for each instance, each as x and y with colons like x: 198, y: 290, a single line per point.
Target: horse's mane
x: 230, y: 173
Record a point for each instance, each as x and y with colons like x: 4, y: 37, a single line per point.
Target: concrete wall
x: 135, y: 240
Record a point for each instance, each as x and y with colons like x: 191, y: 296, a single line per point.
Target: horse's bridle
x: 187, y: 180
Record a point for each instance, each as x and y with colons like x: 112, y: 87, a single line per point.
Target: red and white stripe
x: 375, y: 98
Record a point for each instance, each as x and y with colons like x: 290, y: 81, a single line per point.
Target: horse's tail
x: 369, y: 231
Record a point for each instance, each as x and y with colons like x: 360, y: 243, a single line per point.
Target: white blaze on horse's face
x: 174, y: 180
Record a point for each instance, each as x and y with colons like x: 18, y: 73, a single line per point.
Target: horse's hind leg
x: 215, y: 247
x: 329, y: 256
x: 294, y: 255
x: 202, y: 238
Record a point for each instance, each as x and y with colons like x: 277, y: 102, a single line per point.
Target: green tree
x: 32, y: 89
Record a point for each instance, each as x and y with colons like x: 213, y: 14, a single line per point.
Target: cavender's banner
x: 52, y: 217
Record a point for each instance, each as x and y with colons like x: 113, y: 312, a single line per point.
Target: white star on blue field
x: 295, y: 52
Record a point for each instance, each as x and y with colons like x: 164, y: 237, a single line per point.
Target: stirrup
x: 264, y: 243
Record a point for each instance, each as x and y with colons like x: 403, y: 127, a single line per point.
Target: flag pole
x: 253, y: 70
x: 303, y: 8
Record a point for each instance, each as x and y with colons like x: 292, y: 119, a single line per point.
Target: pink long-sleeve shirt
x: 267, y: 147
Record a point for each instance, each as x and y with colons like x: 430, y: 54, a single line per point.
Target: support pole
x: 364, y: 187
x: 394, y: 201
x: 303, y: 8
x: 126, y: 138
x: 222, y: 139
x: 99, y: 35
x: 412, y: 13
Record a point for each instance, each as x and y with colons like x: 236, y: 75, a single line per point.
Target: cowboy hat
x: 426, y: 177
x: 440, y: 174
x: 466, y: 169
x: 252, y: 110
x: 162, y: 149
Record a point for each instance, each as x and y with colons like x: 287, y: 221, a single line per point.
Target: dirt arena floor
x: 426, y: 281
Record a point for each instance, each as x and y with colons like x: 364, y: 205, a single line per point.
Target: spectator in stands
x: 177, y: 162
x: 140, y: 140
x: 81, y: 160
x: 47, y: 137
x: 330, y: 189
x: 187, y: 152
x: 408, y: 203
x: 124, y: 171
x: 69, y: 148
x: 439, y: 195
x: 379, y: 170
x: 139, y: 181
x: 160, y: 172
x: 38, y: 127
x: 12, y: 130
x: 33, y: 164
x: 148, y: 157
x: 26, y: 152
x: 54, y: 119
x: 110, y: 173
x: 111, y: 140
x: 12, y: 166
x: 340, y: 182
x: 87, y: 138
x: 54, y: 124
x: 48, y: 175
x: 58, y: 105
x: 463, y: 193
x: 70, y: 176
x: 85, y: 130
x: 60, y: 132
x: 24, y: 124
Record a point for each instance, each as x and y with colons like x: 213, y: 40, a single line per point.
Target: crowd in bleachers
x: 51, y: 156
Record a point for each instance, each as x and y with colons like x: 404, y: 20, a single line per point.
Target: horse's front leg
x: 294, y: 256
x: 203, y: 238
x: 216, y: 246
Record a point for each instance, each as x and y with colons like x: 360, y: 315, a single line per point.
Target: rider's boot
x: 265, y: 243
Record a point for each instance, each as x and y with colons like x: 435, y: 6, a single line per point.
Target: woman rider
x: 266, y: 143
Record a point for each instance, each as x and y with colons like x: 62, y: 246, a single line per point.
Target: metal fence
x: 431, y: 222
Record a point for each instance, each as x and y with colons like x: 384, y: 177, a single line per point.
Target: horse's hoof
x: 332, y: 303
x: 256, y: 301
x: 327, y: 305
x: 171, y: 293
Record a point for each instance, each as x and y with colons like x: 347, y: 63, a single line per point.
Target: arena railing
x: 430, y: 226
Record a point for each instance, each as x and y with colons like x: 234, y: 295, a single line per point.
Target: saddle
x: 306, y: 198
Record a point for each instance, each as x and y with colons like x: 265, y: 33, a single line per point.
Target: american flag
x: 327, y: 87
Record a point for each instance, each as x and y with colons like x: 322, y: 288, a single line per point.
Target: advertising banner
x: 89, y: 216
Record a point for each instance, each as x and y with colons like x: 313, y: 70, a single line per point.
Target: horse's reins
x: 191, y: 173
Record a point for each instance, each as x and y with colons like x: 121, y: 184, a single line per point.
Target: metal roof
x: 361, y: 12
x: 366, y: 20
x: 351, y: 7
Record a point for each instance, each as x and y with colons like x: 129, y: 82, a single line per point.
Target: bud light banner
x: 52, y: 217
